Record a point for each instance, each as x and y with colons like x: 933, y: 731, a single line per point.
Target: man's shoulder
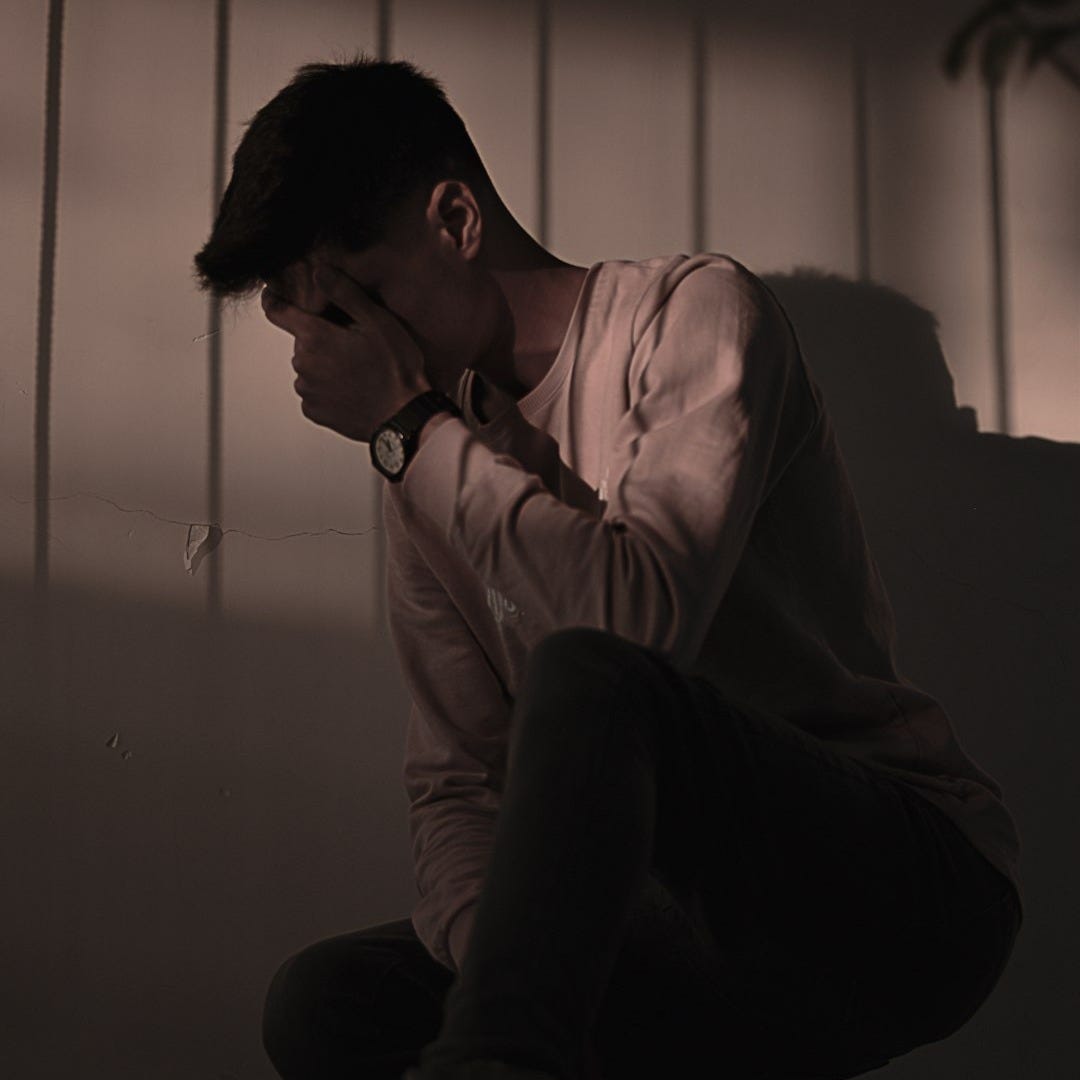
x: 707, y: 279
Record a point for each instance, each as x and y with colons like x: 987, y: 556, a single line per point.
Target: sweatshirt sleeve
x: 454, y: 746
x: 718, y: 404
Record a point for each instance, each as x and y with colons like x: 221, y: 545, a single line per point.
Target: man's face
x: 415, y: 275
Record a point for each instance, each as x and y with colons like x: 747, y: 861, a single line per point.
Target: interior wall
x: 203, y: 769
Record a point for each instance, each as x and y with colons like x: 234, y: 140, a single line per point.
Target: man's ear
x: 454, y: 212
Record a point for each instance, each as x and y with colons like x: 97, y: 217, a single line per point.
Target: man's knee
x: 289, y: 1005
x: 298, y: 1010
x: 572, y: 696
x: 334, y: 1002
x: 604, y: 654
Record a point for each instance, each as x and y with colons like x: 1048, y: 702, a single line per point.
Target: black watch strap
x: 411, y: 419
x: 404, y: 428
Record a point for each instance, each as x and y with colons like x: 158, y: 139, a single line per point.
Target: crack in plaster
x: 190, y: 524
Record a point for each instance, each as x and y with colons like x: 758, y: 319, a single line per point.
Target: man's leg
x: 817, y: 893
x: 359, y: 1005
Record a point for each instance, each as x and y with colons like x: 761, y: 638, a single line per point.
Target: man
x: 672, y: 807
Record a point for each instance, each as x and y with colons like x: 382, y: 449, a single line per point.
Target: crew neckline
x: 553, y: 378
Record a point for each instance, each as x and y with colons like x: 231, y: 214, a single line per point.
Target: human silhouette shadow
x: 977, y: 536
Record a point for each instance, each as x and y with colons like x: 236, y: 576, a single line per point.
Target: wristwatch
x: 393, y: 444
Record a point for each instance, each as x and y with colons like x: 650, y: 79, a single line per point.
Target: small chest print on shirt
x: 502, y: 608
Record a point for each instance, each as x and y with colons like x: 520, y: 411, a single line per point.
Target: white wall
x: 252, y: 802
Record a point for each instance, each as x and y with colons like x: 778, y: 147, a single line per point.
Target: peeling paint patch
x: 113, y: 743
x: 201, y: 541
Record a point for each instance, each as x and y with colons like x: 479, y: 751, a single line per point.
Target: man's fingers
x: 275, y: 308
x: 284, y: 315
x: 332, y: 313
x: 343, y: 291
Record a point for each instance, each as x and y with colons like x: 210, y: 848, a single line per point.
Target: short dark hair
x: 327, y: 161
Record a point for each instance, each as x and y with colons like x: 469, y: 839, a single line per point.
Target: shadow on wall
x: 976, y: 535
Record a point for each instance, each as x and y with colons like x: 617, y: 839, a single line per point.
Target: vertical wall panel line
x: 543, y: 118
x: 699, y: 46
x: 383, y: 29
x: 46, y: 295
x: 997, y: 227
x: 862, y: 160
x: 215, y: 566
x: 383, y: 36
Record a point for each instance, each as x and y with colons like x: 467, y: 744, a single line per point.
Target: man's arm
x: 719, y: 403
x: 455, y: 746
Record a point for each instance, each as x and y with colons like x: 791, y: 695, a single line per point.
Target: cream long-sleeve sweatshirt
x: 674, y: 479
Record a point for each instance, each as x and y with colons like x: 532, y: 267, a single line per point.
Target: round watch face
x: 390, y: 450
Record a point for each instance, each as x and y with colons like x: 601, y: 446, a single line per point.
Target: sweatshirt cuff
x: 459, y: 934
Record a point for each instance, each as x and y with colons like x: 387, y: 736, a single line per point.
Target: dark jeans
x: 677, y: 888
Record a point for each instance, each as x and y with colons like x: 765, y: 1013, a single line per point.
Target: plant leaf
x: 956, y: 53
x: 1046, y: 39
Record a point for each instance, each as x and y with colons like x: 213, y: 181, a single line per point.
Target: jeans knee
x: 285, y: 1011
x: 603, y: 656
x: 299, y: 1010
x: 348, y: 1000
x: 575, y: 692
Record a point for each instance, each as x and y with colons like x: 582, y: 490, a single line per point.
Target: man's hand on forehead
x: 329, y: 311
x: 353, y: 371
x: 296, y: 285
x: 300, y: 293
